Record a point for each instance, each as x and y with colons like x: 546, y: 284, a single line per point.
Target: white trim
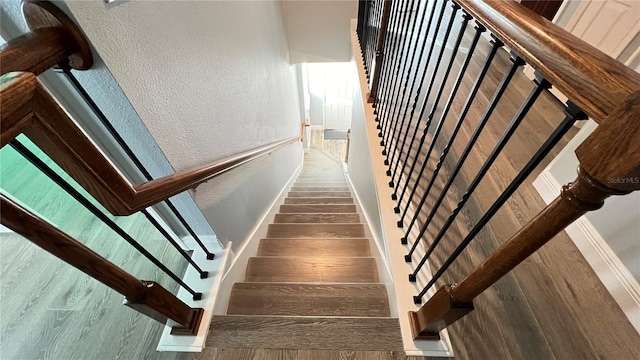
x: 399, y: 268
x: 616, y: 278
x: 210, y: 293
x: 238, y: 268
x: 228, y: 269
x: 380, y: 255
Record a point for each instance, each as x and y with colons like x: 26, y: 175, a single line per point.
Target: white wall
x: 618, y: 221
x: 361, y: 171
x: 106, y: 92
x: 208, y: 79
x: 318, y: 31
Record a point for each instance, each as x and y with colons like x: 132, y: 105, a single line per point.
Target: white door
x: 609, y: 25
x: 338, y: 97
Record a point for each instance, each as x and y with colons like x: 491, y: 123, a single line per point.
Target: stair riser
x: 314, y: 247
x: 321, y: 180
x: 328, y: 209
x: 318, y: 201
x: 317, y: 218
x: 353, y: 300
x: 319, y: 188
x: 329, y: 194
x: 312, y: 270
x: 296, y: 231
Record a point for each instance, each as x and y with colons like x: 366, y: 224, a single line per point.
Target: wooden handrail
x: 603, y: 88
x: 146, y: 296
x: 593, y: 80
x: 54, y: 37
x: 52, y: 130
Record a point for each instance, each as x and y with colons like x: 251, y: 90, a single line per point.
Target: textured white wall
x: 208, y: 79
x: 360, y: 169
x: 318, y: 30
x: 106, y: 92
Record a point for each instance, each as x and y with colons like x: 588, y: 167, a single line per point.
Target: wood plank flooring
x: 313, y: 283
x: 50, y: 310
x: 550, y: 307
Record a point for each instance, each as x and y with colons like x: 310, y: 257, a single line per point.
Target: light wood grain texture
x: 16, y: 92
x: 297, y: 231
x: 327, y: 209
x: 306, y: 188
x: 305, y: 333
x: 597, y: 83
x: 314, y: 247
x: 351, y: 300
x: 318, y: 200
x: 552, y: 305
x: 317, y: 218
x: 319, y: 194
x: 312, y: 269
x: 58, y: 136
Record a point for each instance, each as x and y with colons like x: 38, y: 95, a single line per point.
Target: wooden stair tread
x: 318, y: 200
x: 315, y: 231
x: 317, y: 218
x: 321, y: 184
x: 311, y: 208
x: 313, y: 333
x: 319, y: 188
x: 314, y: 247
x: 312, y: 269
x: 368, y: 300
x: 328, y: 194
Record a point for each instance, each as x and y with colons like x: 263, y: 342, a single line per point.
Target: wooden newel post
x: 610, y: 165
x: 54, y: 37
x: 147, y: 297
x: 377, y: 67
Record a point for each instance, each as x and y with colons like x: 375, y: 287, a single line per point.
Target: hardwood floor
x: 550, y: 307
x: 49, y: 310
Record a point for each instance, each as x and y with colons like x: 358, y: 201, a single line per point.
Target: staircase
x: 313, y: 283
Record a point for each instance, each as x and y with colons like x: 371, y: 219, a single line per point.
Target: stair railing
x: 29, y: 109
x: 413, y: 77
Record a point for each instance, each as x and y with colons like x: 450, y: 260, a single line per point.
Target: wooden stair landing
x: 313, y: 283
x: 305, y: 333
x: 300, y: 299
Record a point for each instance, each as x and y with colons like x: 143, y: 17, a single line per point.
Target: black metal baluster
x: 474, y: 90
x: 389, y: 59
x: 541, y: 85
x: 185, y: 255
x: 51, y: 174
x: 517, y: 62
x: 374, y: 36
x: 408, y: 71
x: 425, y: 101
x: 66, y: 70
x: 435, y: 35
x: 390, y: 88
x: 415, y: 78
x: 361, y: 12
x: 465, y: 19
x: 412, y: 76
x: 573, y: 113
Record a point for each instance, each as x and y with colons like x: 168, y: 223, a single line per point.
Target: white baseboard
x: 616, y: 278
x: 209, y: 288
x: 404, y: 290
x: 382, y: 261
x: 236, y: 272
